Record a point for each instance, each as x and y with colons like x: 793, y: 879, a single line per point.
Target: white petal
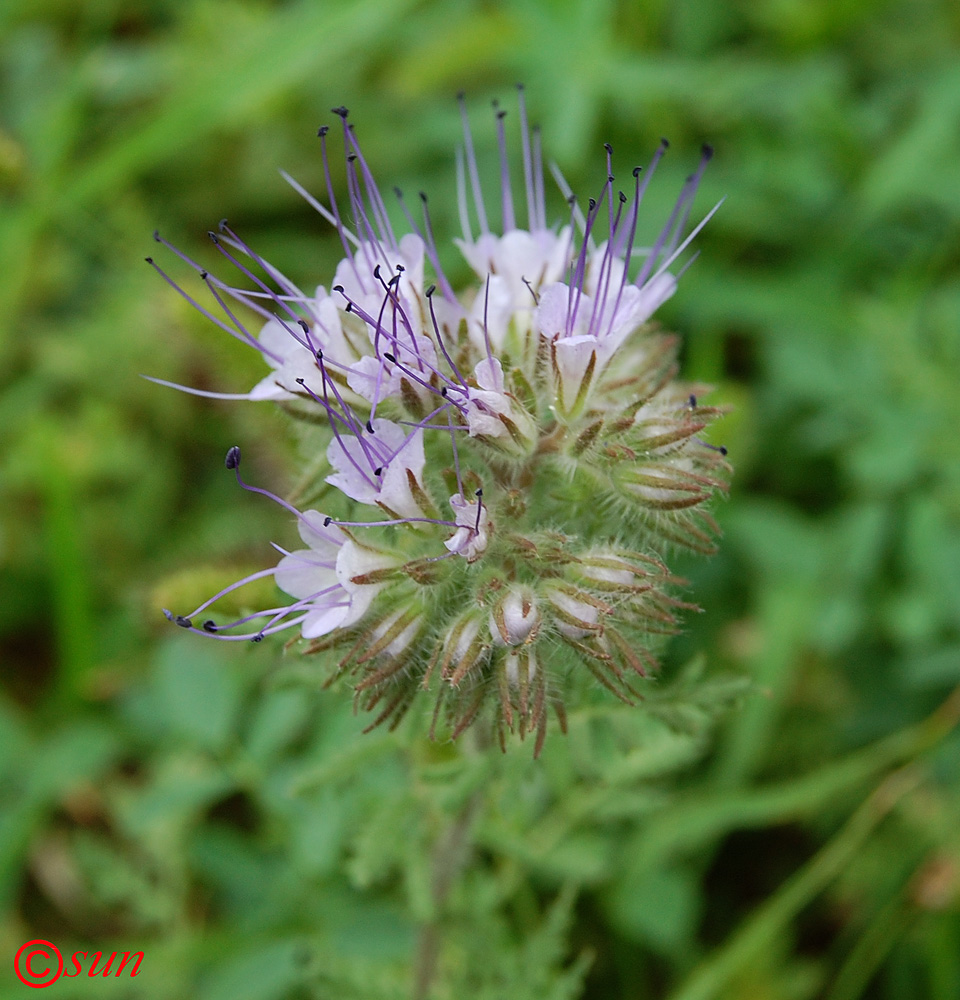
x: 551, y: 315
x: 324, y: 619
x: 489, y: 375
x: 324, y: 540
x: 497, y: 306
x: 573, y: 355
x: 299, y: 575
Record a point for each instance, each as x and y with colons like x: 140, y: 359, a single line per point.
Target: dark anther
x: 430, y: 291
x: 222, y: 224
x: 376, y: 272
x: 723, y: 449
x: 214, y: 237
x: 665, y: 143
x: 378, y: 471
x: 572, y: 200
x: 232, y: 461
x: 370, y: 427
x: 351, y: 157
x: 348, y: 307
x: 149, y: 260
x: 592, y: 203
x: 608, y: 148
x: 423, y: 196
x: 322, y: 131
x: 318, y: 354
x: 338, y: 288
x: 183, y: 622
x: 636, y: 171
x: 443, y: 392
x: 210, y: 626
x: 519, y: 86
x: 341, y: 111
x: 398, y: 193
x: 304, y: 325
x: 389, y: 357
x: 204, y: 275
x: 299, y: 381
x: 688, y: 179
x: 501, y: 115
x: 623, y: 198
x: 461, y: 94
x: 707, y: 151
x: 257, y: 638
x: 326, y: 521
x: 693, y: 401
x: 478, y: 493
x: 401, y: 268
x: 156, y: 235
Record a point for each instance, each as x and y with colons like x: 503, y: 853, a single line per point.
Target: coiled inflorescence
x: 509, y: 465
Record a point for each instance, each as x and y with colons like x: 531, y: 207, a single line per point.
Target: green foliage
x: 216, y: 812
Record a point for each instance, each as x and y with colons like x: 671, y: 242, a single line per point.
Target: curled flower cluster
x: 507, y: 467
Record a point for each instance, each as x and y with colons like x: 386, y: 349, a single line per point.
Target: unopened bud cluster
x: 510, y: 465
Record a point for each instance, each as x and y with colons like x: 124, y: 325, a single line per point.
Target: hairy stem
x: 449, y: 855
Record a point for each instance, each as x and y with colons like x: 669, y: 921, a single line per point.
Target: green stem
x: 448, y: 859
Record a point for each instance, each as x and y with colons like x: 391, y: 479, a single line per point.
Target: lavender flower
x: 539, y: 401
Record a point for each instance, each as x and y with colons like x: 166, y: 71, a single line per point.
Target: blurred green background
x: 165, y: 794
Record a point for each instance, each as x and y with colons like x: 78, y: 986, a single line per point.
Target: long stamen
x: 398, y: 345
x: 637, y: 195
x: 448, y: 292
x: 278, y: 276
x: 509, y: 222
x: 351, y: 418
x: 693, y: 234
x: 479, y: 496
x: 539, y: 197
x: 443, y: 347
x: 705, y: 157
x: 416, y: 427
x: 244, y: 336
x: 462, y: 207
x: 671, y: 229
x: 370, y: 246
x: 232, y: 461
x: 606, y: 269
x: 218, y: 243
x: 204, y: 393
x: 334, y: 220
x: 396, y: 520
x: 426, y: 385
x: 373, y: 192
x: 486, y: 328
x: 341, y: 230
x: 456, y: 455
x: 259, y: 575
x: 213, y: 629
x: 472, y: 167
x: 532, y: 220
x: 582, y: 259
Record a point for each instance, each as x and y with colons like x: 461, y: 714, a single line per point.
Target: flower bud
x: 577, y: 614
x: 515, y: 619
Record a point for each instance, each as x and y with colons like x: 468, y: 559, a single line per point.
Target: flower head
x: 539, y: 400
